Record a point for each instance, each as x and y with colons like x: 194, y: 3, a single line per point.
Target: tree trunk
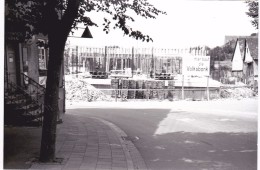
x: 51, y: 110
x: 57, y: 35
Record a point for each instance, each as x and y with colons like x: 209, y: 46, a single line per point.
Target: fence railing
x: 18, y: 95
x: 35, y: 90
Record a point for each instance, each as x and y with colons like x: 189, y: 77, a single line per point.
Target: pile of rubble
x: 79, y: 90
x: 236, y: 93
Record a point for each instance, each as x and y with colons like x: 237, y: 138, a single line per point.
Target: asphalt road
x: 185, y: 136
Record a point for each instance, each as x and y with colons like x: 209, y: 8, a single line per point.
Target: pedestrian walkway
x: 86, y: 143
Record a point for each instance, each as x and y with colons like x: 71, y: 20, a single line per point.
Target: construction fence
x: 125, y: 89
x: 194, y: 94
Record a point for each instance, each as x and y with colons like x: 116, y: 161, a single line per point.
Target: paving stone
x: 91, y: 150
x: 118, y: 155
x: 73, y: 159
x: 103, y: 166
x: 91, y: 159
x: 69, y: 143
x: 104, y: 160
x: 56, y: 167
x: 119, y: 168
x: 92, y: 145
x: 117, y: 151
x: 82, y: 143
x: 78, y: 150
x: 104, y: 151
x: 80, y: 147
x: 88, y: 154
x: 115, y: 145
x: 105, y: 156
x: 87, y: 167
x: 66, y: 149
x: 119, y: 159
x: 77, y: 155
x: 123, y: 165
x: 63, y: 154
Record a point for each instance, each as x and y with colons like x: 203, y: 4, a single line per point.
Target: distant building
x: 242, y: 65
x: 245, y: 60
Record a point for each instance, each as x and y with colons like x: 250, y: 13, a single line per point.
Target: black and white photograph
x: 129, y: 84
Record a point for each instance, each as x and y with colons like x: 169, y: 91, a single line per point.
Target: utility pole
x: 132, y: 65
x: 77, y: 61
x: 105, y: 60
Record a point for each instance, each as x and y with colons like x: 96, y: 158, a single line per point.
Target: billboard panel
x: 196, y: 65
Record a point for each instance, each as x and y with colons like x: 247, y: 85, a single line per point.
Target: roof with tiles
x: 253, y: 47
x: 252, y: 43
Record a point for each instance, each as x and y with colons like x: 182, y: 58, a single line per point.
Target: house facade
x: 25, y: 71
x: 26, y: 58
x: 245, y: 60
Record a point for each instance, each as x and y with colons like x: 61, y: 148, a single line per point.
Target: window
x: 42, y: 56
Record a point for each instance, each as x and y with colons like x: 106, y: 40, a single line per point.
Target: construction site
x: 121, y: 74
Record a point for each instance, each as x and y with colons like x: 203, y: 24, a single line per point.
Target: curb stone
x: 134, y: 158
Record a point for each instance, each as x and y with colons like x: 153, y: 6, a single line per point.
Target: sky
x: 187, y: 23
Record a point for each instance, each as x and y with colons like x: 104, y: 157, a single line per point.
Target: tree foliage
x: 222, y: 53
x: 30, y: 17
x: 253, y: 12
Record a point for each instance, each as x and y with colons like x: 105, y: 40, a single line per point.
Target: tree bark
x: 51, y: 109
x: 57, y: 36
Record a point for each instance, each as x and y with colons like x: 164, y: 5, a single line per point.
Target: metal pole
x: 148, y: 93
x: 72, y: 61
x: 77, y: 60
x: 153, y: 61
x: 167, y: 65
x: 117, y: 89
x: 208, y: 88
x: 116, y: 94
x: 132, y: 63
x: 182, y: 88
x: 218, y: 68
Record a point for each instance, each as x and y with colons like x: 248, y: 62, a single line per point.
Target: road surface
x: 185, y: 135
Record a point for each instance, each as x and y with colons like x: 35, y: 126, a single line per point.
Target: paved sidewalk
x: 91, y: 143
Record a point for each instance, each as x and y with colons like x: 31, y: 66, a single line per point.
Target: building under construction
x: 140, y: 60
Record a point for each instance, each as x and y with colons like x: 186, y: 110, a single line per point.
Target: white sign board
x: 196, y: 65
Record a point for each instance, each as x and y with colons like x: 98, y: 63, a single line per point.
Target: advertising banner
x: 196, y: 65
